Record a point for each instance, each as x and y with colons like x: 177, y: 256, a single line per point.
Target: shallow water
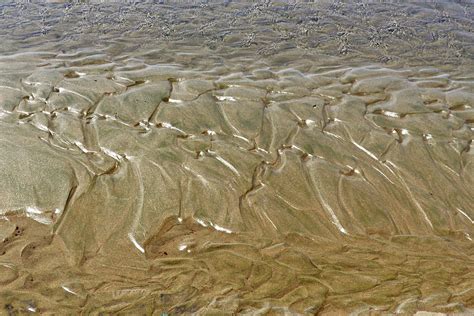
x: 222, y: 158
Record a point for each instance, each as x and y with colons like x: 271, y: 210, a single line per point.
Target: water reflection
x: 236, y: 158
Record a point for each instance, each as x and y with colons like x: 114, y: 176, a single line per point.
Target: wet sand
x: 236, y: 158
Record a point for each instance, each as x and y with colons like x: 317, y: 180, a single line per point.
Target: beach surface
x: 299, y: 158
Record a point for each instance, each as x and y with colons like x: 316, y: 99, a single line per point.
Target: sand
x: 236, y: 158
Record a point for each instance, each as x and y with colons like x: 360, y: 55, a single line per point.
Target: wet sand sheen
x: 187, y: 182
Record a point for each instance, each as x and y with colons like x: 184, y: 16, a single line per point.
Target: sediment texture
x: 236, y: 158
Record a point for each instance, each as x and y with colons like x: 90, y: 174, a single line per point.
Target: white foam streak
x: 221, y: 229
x: 365, y: 150
x: 464, y: 213
x: 135, y: 243
x: 111, y: 153
x: 225, y: 98
x: 227, y: 164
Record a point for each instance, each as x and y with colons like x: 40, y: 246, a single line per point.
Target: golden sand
x: 231, y: 158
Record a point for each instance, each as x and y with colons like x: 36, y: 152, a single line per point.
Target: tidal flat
x: 232, y: 157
